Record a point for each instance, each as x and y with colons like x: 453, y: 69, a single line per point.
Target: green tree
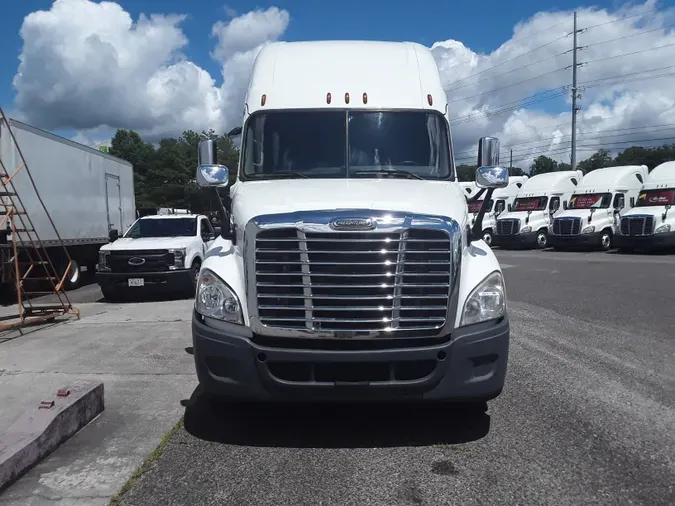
x: 543, y: 164
x: 598, y: 160
x: 466, y: 172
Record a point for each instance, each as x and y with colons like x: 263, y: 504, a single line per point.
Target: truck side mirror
x: 113, y: 235
x: 211, y: 174
x: 489, y: 176
x: 235, y: 132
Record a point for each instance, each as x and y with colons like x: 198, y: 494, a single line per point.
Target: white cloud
x: 89, y: 66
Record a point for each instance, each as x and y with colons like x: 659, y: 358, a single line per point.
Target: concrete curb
x: 42, y: 429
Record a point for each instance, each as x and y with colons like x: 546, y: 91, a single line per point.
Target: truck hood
x: 441, y: 198
x: 149, y: 243
x: 584, y: 213
x: 521, y: 215
x: 655, y: 211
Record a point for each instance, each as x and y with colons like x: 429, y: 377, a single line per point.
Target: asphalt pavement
x: 587, y: 415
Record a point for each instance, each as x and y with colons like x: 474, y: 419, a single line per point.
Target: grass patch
x: 146, y: 465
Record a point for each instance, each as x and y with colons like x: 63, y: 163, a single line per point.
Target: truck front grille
x: 353, y: 282
x: 508, y: 226
x: 637, y: 225
x: 157, y: 260
x: 567, y: 226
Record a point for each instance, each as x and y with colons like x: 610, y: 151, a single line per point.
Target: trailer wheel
x: 74, y: 277
x: 606, y: 240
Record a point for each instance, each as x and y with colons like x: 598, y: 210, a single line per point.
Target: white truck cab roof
x: 516, y: 183
x: 394, y: 75
x: 661, y: 176
x: 609, y: 179
x: 551, y: 183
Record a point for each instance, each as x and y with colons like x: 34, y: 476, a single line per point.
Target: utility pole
x: 511, y: 162
x: 575, y: 94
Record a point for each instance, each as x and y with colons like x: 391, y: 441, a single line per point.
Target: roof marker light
x: 346, y: 98
x: 365, y: 98
x: 430, y: 100
x: 328, y: 97
x: 263, y: 99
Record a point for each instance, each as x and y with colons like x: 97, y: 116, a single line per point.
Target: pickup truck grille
x: 353, y: 282
x: 567, y: 226
x: 157, y: 260
x: 637, y: 225
x: 508, y: 226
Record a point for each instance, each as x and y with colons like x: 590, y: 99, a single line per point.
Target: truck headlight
x: 215, y: 299
x: 588, y: 230
x: 486, y: 302
x: 103, y: 261
x: 178, y: 258
x: 526, y: 229
x: 663, y: 229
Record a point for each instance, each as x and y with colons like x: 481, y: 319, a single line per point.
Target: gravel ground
x: 587, y: 415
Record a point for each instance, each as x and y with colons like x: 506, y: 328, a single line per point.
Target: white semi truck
x: 348, y: 269
x: 86, y: 192
x: 592, y: 217
x: 502, y: 200
x: 535, y: 207
x: 651, y: 223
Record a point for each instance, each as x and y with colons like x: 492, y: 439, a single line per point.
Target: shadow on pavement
x: 333, y: 425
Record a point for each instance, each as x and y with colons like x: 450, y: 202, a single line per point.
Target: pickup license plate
x: 136, y: 282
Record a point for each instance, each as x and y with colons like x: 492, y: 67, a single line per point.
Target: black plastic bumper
x: 656, y: 241
x: 528, y: 239
x: 593, y: 240
x: 471, y: 366
x: 152, y: 281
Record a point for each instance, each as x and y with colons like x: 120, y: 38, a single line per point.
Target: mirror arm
x: 477, y: 195
x: 477, y: 230
x: 226, y: 231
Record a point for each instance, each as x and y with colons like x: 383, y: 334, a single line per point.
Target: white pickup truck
x: 158, y: 253
x: 348, y: 269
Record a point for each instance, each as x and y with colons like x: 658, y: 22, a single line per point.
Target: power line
x: 619, y: 19
x: 629, y: 36
x: 628, y: 54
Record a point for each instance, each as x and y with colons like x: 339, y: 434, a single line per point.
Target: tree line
x: 635, y: 155
x: 164, y: 175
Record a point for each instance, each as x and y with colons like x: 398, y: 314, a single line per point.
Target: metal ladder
x: 29, y: 259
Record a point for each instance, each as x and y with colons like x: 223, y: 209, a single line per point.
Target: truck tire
x: 487, y: 237
x: 542, y: 239
x: 112, y: 296
x: 74, y: 277
x: 194, y: 271
x: 606, y: 240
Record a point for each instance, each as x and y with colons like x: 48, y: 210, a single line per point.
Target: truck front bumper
x: 470, y: 366
x: 648, y: 242
x: 528, y: 239
x: 592, y: 240
x: 152, y: 281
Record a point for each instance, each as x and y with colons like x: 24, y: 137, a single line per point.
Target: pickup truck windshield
x: 163, y: 227
x: 656, y: 198
x: 340, y: 144
x: 591, y: 200
x: 530, y: 204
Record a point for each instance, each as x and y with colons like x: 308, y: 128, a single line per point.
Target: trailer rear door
x: 113, y: 202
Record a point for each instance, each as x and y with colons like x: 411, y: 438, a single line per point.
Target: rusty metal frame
x: 27, y: 312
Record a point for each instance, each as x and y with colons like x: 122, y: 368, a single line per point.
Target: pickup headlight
x: 486, y: 302
x: 663, y: 229
x: 179, y: 258
x: 217, y: 300
x: 588, y: 230
x: 526, y: 229
x: 103, y: 261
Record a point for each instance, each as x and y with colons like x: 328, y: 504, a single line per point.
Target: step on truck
x: 537, y: 204
x: 650, y: 225
x: 158, y: 254
x: 592, y: 217
x: 502, y: 200
x: 86, y: 193
x: 348, y: 269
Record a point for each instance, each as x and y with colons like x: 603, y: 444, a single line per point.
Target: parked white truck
x: 86, y: 192
x: 502, y: 200
x: 533, y: 210
x: 592, y: 217
x: 651, y: 223
x: 159, y: 253
x: 348, y: 270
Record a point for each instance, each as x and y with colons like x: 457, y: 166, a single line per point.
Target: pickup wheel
x: 194, y: 272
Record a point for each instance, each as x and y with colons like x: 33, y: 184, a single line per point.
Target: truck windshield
x: 163, y: 227
x: 474, y: 206
x: 340, y: 144
x: 659, y: 197
x: 530, y: 204
x: 591, y: 200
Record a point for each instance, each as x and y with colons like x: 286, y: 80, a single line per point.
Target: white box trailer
x: 85, y: 191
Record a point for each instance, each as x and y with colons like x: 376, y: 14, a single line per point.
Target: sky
x: 84, y: 68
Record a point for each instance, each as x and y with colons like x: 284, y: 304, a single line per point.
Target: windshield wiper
x: 401, y: 173
x: 276, y: 175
